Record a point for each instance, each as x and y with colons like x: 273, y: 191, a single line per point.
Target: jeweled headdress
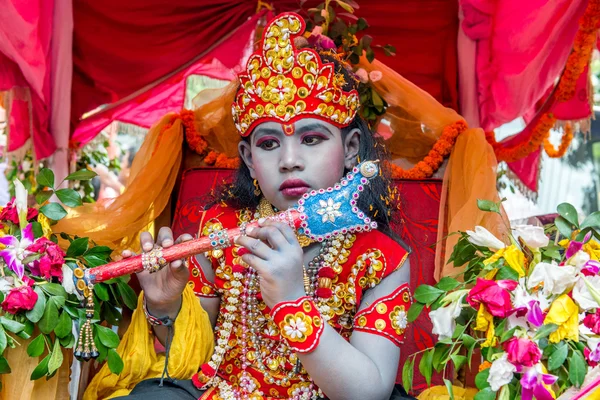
x: 283, y: 84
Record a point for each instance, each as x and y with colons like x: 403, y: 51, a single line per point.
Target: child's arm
x: 365, y: 367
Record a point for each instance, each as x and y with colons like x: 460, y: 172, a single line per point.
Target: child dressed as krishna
x: 292, y: 318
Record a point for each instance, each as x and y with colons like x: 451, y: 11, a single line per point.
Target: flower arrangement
x: 531, y: 308
x: 38, y: 297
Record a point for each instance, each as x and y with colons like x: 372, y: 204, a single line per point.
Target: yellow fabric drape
x: 470, y: 175
x: 17, y: 384
x: 441, y: 393
x: 153, y: 173
x: 191, y: 347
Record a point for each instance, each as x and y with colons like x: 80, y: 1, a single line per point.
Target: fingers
x: 165, y: 237
x: 127, y: 253
x: 269, y: 234
x: 146, y: 241
x: 256, y: 246
x: 286, y: 231
x: 183, y: 238
x: 257, y: 263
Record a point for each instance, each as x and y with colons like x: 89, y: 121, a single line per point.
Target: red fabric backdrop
x: 120, y: 47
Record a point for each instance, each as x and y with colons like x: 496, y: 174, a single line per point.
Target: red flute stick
x: 184, y: 250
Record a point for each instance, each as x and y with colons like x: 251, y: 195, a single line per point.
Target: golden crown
x: 284, y: 84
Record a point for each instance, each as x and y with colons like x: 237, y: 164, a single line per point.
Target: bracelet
x: 300, y: 323
x: 155, y: 321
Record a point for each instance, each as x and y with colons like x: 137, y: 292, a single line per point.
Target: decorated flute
x: 320, y: 215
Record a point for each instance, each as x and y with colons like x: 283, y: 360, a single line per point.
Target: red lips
x: 294, y: 187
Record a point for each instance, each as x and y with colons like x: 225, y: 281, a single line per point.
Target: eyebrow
x: 301, y: 130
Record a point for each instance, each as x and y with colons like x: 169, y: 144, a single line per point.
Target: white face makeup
x: 286, y: 167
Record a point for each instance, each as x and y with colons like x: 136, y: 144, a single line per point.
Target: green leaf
x: 81, y: 175
x: 50, y: 317
x: 569, y: 213
x: 4, y: 367
x: 63, y: 328
x: 487, y: 205
x: 446, y: 284
x: 41, y: 369
x: 27, y: 331
x: 56, y: 358
x: 11, y: 325
x: 481, y: 379
x: 592, y: 221
x: 101, y: 291
x: 108, y: 338
x: 558, y: 357
x: 31, y: 258
x: 552, y: 251
x: 577, y: 369
x: 128, y: 295
x: 35, y: 314
x: 469, y: 342
x: 485, y: 394
x: 426, y: 366
x: 507, y: 335
x: 458, y: 360
x: 449, y: 388
x: 3, y: 341
x: 407, y: 373
x: 564, y: 227
x: 54, y: 289
x: 36, y: 347
x: 507, y: 272
x: 45, y: 178
x: 362, y: 24
x: 93, y: 260
x: 115, y: 364
x: 100, y: 251
x: 78, y: 247
x: 54, y: 211
x: 68, y: 341
x: 414, y: 311
x: 345, y: 6
x: 69, y: 197
x: 37, y: 230
x: 544, y: 331
x: 440, y: 356
x: 427, y: 294
x: 43, y: 196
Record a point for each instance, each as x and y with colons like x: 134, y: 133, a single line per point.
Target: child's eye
x: 268, y: 144
x: 312, y: 140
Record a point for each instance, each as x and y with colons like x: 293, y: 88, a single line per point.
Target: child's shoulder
x: 222, y: 216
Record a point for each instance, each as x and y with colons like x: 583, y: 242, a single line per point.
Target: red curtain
x: 121, y: 46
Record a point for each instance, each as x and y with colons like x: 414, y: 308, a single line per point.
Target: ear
x: 351, y: 147
x: 246, y: 155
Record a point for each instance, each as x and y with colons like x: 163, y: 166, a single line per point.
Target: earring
x: 257, y: 191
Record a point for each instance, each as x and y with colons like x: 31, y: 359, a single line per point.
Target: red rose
x: 522, y: 352
x: 50, y: 265
x: 592, y: 321
x: 19, y: 299
x: 494, y: 295
x: 9, y: 213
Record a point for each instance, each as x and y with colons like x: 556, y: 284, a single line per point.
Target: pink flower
x: 592, y: 321
x: 321, y: 42
x: 522, y: 352
x: 494, y: 295
x: 375, y: 76
x: 592, y: 357
x: 16, y: 250
x: 317, y: 30
x: 50, y: 264
x: 19, y: 299
x: 362, y: 75
x: 533, y: 381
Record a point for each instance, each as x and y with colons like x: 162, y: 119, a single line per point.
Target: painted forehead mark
x: 289, y: 129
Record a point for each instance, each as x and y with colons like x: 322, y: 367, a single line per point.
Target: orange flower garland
x: 564, y: 145
x: 195, y: 141
x: 584, y: 43
x: 435, y: 157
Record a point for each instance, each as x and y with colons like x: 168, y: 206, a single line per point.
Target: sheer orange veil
x: 414, y: 119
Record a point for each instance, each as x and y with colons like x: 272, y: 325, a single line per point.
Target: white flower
x: 329, y: 210
x: 579, y: 259
x: 6, y: 283
x: 522, y: 297
x: 555, y: 279
x: 295, y: 329
x: 533, y: 236
x: 68, y: 283
x: 582, y: 295
x: 26, y: 165
x: 483, y: 237
x: 21, y: 202
x: 443, y: 319
x: 501, y: 373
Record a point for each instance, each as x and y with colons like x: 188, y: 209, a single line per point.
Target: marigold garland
x: 564, y: 145
x: 578, y: 59
x: 431, y: 163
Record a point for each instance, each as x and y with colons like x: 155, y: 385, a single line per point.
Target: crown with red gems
x: 284, y: 84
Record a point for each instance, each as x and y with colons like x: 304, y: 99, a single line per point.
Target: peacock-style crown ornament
x: 284, y: 84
